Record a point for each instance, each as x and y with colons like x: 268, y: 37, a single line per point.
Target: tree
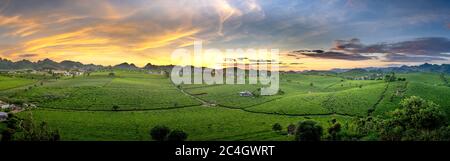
x: 7, y: 135
x: 277, y: 127
x: 418, y: 113
x: 416, y: 119
x: 308, y: 131
x: 115, y: 107
x: 112, y: 74
x: 31, y: 131
x: 334, y: 129
x: 177, y: 135
x: 159, y: 132
x: 311, y: 84
x: 390, y: 78
x: 291, y: 129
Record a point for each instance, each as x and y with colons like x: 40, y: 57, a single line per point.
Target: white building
x: 245, y: 94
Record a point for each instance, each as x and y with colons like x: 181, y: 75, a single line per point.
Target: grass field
x: 11, y: 82
x: 81, y: 107
x: 201, y: 123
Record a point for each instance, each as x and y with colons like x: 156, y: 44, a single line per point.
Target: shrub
x: 308, y: 131
x: 291, y: 129
x: 177, y: 135
x: 159, y: 132
x: 7, y: 135
x: 277, y: 127
x: 31, y: 131
x: 115, y: 107
x: 334, y: 129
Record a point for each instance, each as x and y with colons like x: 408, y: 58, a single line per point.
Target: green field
x: 81, y: 107
x: 11, y: 82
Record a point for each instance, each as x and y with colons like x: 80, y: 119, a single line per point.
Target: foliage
x: 416, y: 119
x: 29, y: 130
x: 177, y: 135
x: 159, y: 132
x: 390, y: 77
x: 308, y: 131
x: 334, y: 129
x: 291, y: 129
x: 115, y: 108
x: 277, y: 127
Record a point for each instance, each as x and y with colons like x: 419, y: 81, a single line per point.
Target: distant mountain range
x: 6, y: 64
x: 444, y: 68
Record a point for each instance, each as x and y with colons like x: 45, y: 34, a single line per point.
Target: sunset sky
x: 310, y: 34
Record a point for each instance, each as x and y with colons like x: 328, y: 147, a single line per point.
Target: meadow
x: 81, y: 108
x: 11, y: 82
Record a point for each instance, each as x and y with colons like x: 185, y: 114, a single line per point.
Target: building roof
x: 3, y: 114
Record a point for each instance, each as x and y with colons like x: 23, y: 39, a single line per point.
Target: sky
x: 310, y: 34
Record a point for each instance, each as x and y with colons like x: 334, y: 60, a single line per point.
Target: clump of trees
x: 277, y: 127
x: 163, y: 133
x: 334, y: 129
x: 444, y: 79
x: 416, y: 119
x: 390, y: 77
x: 308, y: 131
x: 28, y: 130
x: 291, y: 129
x: 177, y: 135
x: 115, y: 108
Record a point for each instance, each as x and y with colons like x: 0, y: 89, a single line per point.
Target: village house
x: 245, y: 94
x: 6, y: 106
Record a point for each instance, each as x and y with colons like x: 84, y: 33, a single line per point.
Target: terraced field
x: 101, y: 92
x: 81, y: 107
x: 201, y: 123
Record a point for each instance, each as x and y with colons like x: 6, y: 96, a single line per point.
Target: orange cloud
x: 80, y: 37
x: 21, y: 27
x: 160, y: 41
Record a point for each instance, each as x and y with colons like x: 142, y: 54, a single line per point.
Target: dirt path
x: 383, y: 94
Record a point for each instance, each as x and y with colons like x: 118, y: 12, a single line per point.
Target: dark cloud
x: 28, y: 55
x: 392, y: 57
x: 416, y: 50
x: 430, y: 46
x: 337, y: 55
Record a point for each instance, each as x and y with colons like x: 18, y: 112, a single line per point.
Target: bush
x: 7, y: 135
x: 277, y: 127
x: 159, y: 132
x: 115, y: 108
x: 291, y: 129
x: 308, y: 131
x: 177, y: 135
x: 416, y: 119
x: 31, y: 131
x: 334, y: 129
